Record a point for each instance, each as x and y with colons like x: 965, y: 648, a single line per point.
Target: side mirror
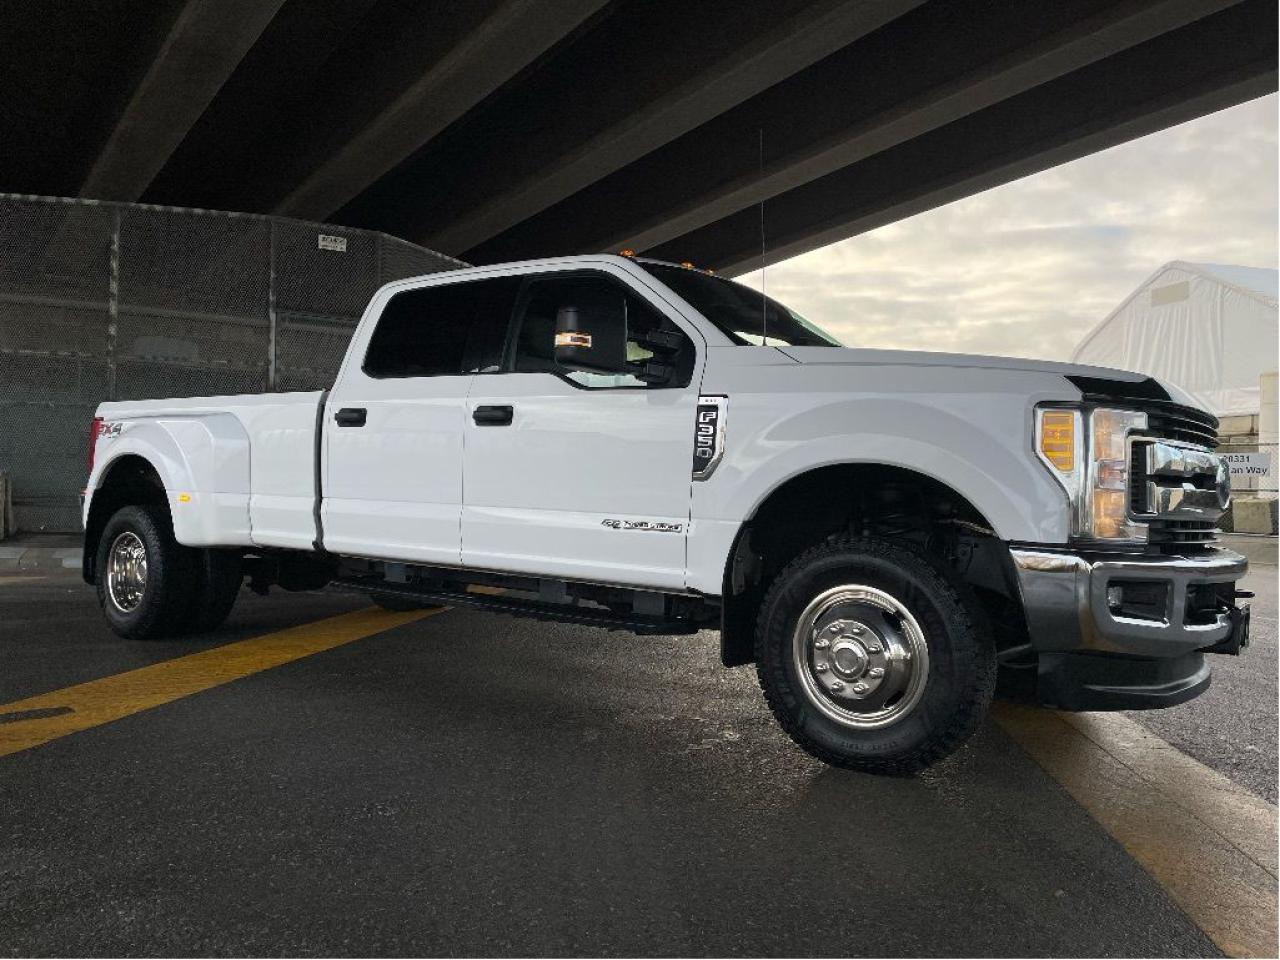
x: 592, y: 338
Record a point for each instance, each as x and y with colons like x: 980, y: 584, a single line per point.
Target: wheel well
x: 866, y: 500
x: 130, y: 481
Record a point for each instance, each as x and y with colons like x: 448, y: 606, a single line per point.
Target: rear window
x: 455, y: 328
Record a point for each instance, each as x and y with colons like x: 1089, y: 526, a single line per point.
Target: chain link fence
x: 115, y: 301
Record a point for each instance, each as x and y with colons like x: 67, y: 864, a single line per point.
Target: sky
x: 1027, y: 269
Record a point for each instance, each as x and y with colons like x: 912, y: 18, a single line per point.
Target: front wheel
x: 870, y: 658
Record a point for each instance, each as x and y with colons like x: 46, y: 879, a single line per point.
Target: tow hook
x: 1238, y: 639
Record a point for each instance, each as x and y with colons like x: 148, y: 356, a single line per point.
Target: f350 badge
x: 708, y: 436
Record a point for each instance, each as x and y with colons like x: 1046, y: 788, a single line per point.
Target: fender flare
x: 203, y: 463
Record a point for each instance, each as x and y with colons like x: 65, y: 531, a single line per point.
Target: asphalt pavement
x: 475, y: 784
x: 1232, y: 727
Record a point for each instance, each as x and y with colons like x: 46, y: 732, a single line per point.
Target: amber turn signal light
x: 1058, y: 438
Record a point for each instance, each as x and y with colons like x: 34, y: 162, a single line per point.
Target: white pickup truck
x: 620, y: 442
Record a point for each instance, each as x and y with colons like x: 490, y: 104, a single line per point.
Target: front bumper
x: 1096, y: 651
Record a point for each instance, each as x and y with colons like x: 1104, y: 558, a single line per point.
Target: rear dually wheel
x: 144, y: 574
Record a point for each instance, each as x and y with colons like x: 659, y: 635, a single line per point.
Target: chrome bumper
x: 1064, y: 596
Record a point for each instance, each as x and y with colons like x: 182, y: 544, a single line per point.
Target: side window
x: 533, y: 348
x: 452, y: 329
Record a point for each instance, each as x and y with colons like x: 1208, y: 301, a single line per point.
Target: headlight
x: 1093, y: 467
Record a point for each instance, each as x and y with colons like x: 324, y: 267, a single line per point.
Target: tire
x: 144, y: 589
x: 217, y: 576
x: 841, y: 611
x: 399, y: 603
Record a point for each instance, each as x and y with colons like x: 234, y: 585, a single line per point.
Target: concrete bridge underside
x: 501, y: 129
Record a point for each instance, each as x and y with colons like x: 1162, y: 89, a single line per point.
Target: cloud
x: 1028, y: 268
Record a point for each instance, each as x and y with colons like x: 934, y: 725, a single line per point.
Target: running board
x: 520, y: 607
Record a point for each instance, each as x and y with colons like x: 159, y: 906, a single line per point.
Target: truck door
x: 393, y: 430
x: 581, y: 475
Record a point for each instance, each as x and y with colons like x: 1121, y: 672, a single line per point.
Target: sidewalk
x: 51, y: 551
x: 41, y: 551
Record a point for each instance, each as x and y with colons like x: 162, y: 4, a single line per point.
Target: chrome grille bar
x: 1179, y: 487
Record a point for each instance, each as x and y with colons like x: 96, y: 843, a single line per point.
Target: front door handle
x: 350, y: 417
x: 493, y: 416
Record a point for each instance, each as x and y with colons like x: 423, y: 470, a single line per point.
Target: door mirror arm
x: 653, y: 371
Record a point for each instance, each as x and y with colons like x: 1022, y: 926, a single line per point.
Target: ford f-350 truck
x: 616, y: 441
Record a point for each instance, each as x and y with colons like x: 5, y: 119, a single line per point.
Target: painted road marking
x: 5, y: 581
x: 85, y: 705
x: 1210, y: 843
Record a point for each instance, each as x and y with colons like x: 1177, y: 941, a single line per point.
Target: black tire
x: 400, y: 603
x: 168, y: 581
x: 937, y: 717
x: 216, y: 582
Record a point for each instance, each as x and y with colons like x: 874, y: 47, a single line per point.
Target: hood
x: 1100, y: 381
x: 925, y: 358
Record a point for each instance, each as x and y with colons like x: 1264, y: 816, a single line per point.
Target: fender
x: 981, y: 454
x: 203, y: 462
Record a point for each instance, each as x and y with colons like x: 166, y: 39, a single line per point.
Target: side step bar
x: 521, y: 607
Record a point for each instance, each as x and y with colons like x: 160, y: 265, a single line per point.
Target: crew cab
x: 607, y: 440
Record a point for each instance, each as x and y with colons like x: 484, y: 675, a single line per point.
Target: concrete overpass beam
x: 792, y: 45
x: 934, y: 67
x: 511, y: 38
x: 1118, y: 28
x: 938, y: 194
x: 207, y: 41
x: 1156, y: 86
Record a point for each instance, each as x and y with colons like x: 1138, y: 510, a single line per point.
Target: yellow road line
x: 36, y: 720
x: 8, y: 580
x: 1209, y: 843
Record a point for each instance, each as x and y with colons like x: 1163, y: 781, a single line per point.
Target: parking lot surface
x: 1232, y: 728
x: 468, y: 783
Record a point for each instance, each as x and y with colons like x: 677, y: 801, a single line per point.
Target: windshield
x: 745, y: 316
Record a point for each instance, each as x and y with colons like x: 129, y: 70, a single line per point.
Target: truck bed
x: 246, y: 463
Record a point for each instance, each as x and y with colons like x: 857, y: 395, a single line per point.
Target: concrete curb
x: 1208, y: 841
x: 21, y: 556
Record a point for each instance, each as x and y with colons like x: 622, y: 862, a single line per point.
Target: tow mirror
x: 592, y: 337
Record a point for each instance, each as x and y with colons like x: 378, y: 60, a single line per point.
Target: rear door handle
x: 350, y: 417
x: 492, y: 416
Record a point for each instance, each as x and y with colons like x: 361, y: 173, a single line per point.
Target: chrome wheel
x: 126, y: 572
x: 861, y: 657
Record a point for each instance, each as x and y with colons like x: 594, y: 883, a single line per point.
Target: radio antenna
x: 764, y: 300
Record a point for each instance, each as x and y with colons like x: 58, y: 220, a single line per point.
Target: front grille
x: 1184, y: 424
x: 1181, y: 534
x: 1138, y: 479
x: 1180, y: 425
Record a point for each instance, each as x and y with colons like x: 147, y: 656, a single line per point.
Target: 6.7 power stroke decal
x: 657, y: 526
x: 708, y: 436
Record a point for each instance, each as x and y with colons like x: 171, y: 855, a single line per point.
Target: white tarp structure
x: 1208, y: 328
